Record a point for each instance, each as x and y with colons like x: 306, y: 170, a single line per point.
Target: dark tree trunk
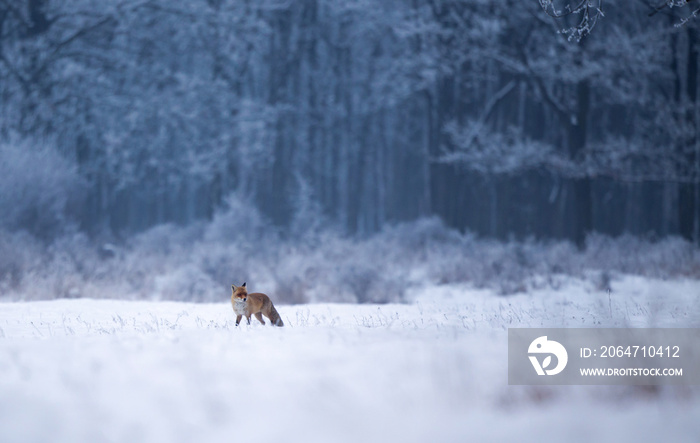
x: 687, y: 204
x: 582, y: 223
x: 39, y: 21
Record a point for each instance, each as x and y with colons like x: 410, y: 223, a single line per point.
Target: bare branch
x: 488, y: 110
x: 590, y: 11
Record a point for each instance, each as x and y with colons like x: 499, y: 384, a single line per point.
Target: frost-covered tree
x: 365, y: 112
x: 586, y: 13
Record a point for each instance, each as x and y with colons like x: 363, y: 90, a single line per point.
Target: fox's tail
x: 275, y: 318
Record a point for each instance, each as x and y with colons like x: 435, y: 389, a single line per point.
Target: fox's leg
x: 258, y: 315
x: 247, y: 317
x: 238, y: 319
x: 269, y: 317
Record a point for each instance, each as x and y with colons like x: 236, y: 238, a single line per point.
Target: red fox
x: 255, y: 303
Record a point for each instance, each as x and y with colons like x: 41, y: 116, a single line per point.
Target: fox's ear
x: 243, y: 284
x: 233, y: 287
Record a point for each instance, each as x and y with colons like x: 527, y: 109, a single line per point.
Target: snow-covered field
x: 431, y: 370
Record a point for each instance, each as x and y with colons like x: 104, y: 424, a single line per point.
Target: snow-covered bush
x: 628, y: 254
x: 237, y: 222
x: 19, y: 252
x: 201, y: 261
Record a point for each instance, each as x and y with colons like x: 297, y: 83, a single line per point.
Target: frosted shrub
x: 166, y: 239
x: 186, y: 283
x: 199, y: 262
x: 368, y: 285
x: 222, y: 263
x: 19, y: 253
x: 668, y: 257
x: 420, y: 235
x: 238, y: 222
x: 292, y: 288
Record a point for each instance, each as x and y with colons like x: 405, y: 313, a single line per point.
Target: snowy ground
x: 432, y: 370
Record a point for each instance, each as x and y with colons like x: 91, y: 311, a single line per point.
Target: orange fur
x: 255, y: 303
